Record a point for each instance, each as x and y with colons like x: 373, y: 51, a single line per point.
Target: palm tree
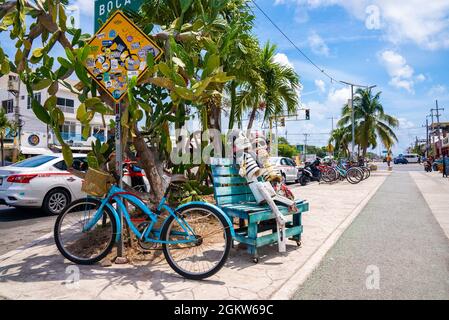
x: 276, y: 90
x: 340, y: 139
x: 371, y: 121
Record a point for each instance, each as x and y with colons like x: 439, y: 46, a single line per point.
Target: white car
x: 287, y: 167
x: 42, y: 182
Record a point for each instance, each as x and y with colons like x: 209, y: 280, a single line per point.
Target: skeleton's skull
x: 241, y: 141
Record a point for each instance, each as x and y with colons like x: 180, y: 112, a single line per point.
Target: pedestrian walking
x: 389, y: 160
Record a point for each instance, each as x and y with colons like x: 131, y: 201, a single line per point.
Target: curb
x: 289, y: 288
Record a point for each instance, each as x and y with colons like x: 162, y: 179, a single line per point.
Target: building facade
x: 34, y: 136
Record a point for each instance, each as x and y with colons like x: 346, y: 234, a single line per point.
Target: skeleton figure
x: 263, y: 158
x: 258, y: 178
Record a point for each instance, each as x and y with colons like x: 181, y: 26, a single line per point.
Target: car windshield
x: 34, y: 162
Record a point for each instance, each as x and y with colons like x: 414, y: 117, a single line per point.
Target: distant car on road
x: 42, y: 182
x: 400, y: 160
x: 411, y: 157
x: 288, y: 168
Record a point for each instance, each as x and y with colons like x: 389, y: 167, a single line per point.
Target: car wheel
x: 56, y: 201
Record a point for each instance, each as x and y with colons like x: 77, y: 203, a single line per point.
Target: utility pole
x: 432, y: 133
x: 332, y: 120
x: 437, y: 110
x: 14, y: 88
x: 352, y: 110
x: 427, y: 136
x: 305, y: 145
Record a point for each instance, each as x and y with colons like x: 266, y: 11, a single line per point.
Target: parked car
x: 7, y: 163
x: 41, y: 182
x: 288, y: 168
x: 400, y: 160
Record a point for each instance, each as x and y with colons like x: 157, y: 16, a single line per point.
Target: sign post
x: 119, y: 168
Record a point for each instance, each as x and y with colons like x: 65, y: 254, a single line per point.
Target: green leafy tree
x: 340, y: 139
x: 287, y: 150
x: 190, y: 73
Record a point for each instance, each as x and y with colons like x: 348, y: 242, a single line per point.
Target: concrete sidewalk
x: 38, y: 271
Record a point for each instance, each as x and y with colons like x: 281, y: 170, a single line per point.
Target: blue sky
x: 400, y: 46
x: 404, y: 52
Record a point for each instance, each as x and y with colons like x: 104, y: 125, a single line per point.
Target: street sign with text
x: 104, y: 7
x: 119, y: 52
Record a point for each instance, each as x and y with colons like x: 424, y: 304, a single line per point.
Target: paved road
x: 395, y: 245
x: 21, y: 226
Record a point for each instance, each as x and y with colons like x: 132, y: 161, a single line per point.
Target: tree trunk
x: 214, y: 109
x: 364, y: 153
x: 232, y: 113
x: 251, y: 118
x: 152, y: 165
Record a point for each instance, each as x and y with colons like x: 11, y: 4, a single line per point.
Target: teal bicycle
x: 195, y: 237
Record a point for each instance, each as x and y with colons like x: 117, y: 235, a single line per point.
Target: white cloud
x: 438, y: 91
x: 318, y: 45
x: 338, y: 97
x: 85, y: 6
x: 420, y: 78
x: 321, y: 85
x: 282, y: 59
x: 401, y: 73
x: 405, y: 123
x: 420, y: 21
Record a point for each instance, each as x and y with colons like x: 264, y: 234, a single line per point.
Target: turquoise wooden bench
x: 234, y: 197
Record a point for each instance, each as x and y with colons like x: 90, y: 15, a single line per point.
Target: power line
x: 305, y: 55
x: 294, y: 45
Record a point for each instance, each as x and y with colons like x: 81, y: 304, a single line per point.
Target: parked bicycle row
x: 332, y: 171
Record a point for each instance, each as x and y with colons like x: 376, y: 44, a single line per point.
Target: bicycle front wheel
x: 80, y: 244
x: 204, y: 257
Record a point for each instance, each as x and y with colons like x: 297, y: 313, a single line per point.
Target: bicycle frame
x: 118, y: 195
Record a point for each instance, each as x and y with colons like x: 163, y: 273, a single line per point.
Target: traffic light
x: 307, y: 114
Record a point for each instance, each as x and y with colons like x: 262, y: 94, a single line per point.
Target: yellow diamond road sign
x: 120, y: 52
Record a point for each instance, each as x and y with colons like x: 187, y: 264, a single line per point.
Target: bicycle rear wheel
x: 354, y: 175
x: 367, y: 172
x: 204, y: 257
x: 84, y: 246
x: 329, y: 175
